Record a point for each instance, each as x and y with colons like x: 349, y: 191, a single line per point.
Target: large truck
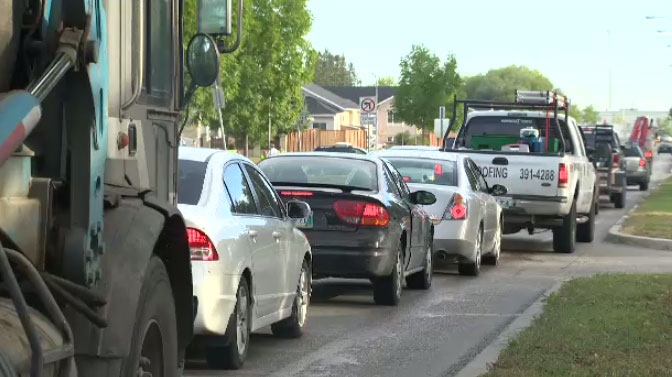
x: 95, y: 274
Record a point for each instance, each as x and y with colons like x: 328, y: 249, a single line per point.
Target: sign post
x: 369, y: 108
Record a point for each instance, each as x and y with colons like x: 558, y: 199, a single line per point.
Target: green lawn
x: 653, y: 218
x: 607, y: 325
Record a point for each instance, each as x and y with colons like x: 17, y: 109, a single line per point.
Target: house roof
x: 353, y: 93
x: 328, y: 98
x: 317, y: 107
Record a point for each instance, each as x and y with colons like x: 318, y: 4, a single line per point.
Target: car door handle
x: 252, y: 233
x: 277, y: 235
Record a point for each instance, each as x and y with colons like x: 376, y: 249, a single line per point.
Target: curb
x: 616, y: 236
x: 489, y: 355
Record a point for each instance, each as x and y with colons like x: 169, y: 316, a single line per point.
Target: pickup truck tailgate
x: 521, y: 174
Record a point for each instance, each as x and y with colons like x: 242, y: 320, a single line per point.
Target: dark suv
x: 609, y: 160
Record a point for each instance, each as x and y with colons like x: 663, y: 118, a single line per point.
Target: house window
x: 319, y: 126
x: 390, y: 139
x: 390, y: 116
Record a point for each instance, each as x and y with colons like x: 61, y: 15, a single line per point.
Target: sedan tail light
x: 648, y: 154
x: 457, y: 208
x: 361, y: 213
x: 200, y: 246
x: 642, y: 162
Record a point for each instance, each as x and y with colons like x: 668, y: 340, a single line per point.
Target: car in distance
x: 665, y: 148
x: 637, y: 166
x: 250, y: 265
x: 366, y: 223
x: 341, y: 148
x: 467, y: 217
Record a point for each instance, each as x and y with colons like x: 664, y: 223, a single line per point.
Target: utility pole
x: 218, y: 96
x: 377, y: 114
x: 270, y: 103
x: 610, y: 65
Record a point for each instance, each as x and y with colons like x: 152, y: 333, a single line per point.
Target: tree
x: 405, y: 138
x: 334, y: 70
x: 501, y: 84
x: 387, y: 81
x: 264, y: 77
x: 425, y: 84
x: 590, y: 115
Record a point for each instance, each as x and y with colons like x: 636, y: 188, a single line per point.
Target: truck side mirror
x: 203, y: 60
x: 214, y: 17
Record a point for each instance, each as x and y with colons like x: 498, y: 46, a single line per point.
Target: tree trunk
x: 247, y: 145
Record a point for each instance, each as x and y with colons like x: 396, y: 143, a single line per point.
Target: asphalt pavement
x: 437, y: 332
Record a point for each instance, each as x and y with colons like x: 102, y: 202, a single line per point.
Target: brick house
x: 388, y: 126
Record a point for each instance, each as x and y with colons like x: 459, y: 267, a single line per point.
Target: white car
x: 466, y: 215
x: 251, y: 267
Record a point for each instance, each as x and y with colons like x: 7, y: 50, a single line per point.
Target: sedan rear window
x: 632, y: 151
x: 322, y: 170
x: 443, y: 173
x: 190, y: 184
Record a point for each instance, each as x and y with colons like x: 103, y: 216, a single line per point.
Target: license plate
x: 505, y: 201
x: 305, y: 223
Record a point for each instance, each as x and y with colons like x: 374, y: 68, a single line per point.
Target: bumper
x: 453, y: 240
x: 639, y: 176
x: 363, y: 254
x: 216, y: 297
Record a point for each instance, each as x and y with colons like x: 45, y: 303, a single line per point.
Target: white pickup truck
x: 540, y: 158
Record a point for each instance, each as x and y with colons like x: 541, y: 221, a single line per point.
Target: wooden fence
x: 311, y: 139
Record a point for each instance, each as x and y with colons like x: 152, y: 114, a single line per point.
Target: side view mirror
x: 424, y: 198
x: 298, y: 210
x: 498, y: 190
x: 214, y: 17
x: 203, y: 60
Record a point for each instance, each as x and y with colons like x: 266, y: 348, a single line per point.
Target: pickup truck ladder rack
x: 544, y: 100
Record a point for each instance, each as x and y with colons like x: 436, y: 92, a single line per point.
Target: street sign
x: 441, y: 126
x: 368, y: 118
x: 368, y: 104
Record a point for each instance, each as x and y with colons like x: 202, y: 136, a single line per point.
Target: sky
x: 575, y: 43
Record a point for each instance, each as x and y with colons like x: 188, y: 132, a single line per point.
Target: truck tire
x: 564, y: 237
x: 233, y: 355
x: 619, y: 199
x: 387, y: 290
x: 154, y: 341
x: 644, y: 186
x: 586, y: 232
x: 292, y: 327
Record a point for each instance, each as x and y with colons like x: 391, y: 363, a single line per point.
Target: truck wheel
x: 619, y: 199
x: 292, y: 327
x: 473, y: 268
x: 233, y: 355
x: 564, y: 238
x: 154, y: 343
x: 387, y: 290
x: 644, y: 186
x: 586, y: 232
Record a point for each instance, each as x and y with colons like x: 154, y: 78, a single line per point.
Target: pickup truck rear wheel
x: 619, y: 199
x: 154, y: 343
x: 644, y: 186
x: 564, y: 237
x: 586, y: 232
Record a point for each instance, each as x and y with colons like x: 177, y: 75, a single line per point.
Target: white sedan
x: 251, y: 267
x: 467, y: 216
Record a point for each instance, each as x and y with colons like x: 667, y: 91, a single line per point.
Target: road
x: 435, y: 333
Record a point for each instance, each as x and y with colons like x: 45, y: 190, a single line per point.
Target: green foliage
x: 265, y: 74
x: 334, y: 70
x: 664, y: 125
x: 590, y: 115
x: 405, y: 138
x: 387, y: 81
x: 576, y: 113
x: 501, y: 84
x: 425, y: 84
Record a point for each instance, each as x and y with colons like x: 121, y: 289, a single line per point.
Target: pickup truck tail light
x: 563, y: 176
x: 616, y: 158
x: 361, y: 213
x: 457, y: 208
x: 200, y: 246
